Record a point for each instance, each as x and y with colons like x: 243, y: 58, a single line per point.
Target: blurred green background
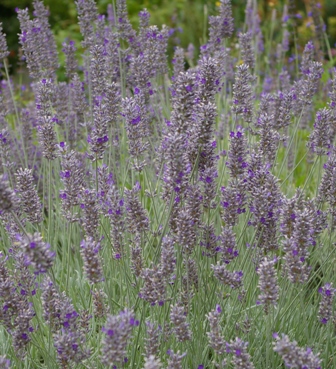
x: 187, y: 17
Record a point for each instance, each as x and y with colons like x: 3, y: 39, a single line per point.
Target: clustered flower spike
x: 268, y: 283
x: 179, y: 321
x: 241, y: 358
x: 152, y: 363
x: 153, y: 290
x: 242, y: 99
x: 87, y: 14
x: 71, y: 65
x: 221, y: 26
x: 16, y: 311
x: 37, y: 251
x: 117, y: 333
x: 92, y: 262
x: 136, y: 216
x: 152, y: 340
x: 216, y: 340
x: 29, y: 199
x: 175, y: 359
x: 327, y: 293
x: 3, y: 44
x: 246, y: 49
x: 6, y: 195
x: 232, y: 279
x: 38, y: 42
x: 321, y: 139
x: 4, y: 362
x: 296, y: 247
x: 295, y: 356
x: 237, y: 154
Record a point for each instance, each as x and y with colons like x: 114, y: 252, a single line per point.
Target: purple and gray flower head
x: 233, y: 202
x: 3, y: 44
x: 228, y: 250
x: 179, y: 322
x: 327, y: 293
x: 153, y: 290
x: 242, y: 99
x: 268, y: 285
x: 47, y: 137
x: 209, y: 240
x: 237, y: 154
x: 137, y: 218
x: 136, y: 256
x: 92, y: 261
x: 241, y: 358
x: 87, y: 14
x: 29, y: 199
x: 152, y: 363
x: 51, y: 303
x: 207, y: 79
x: 175, y: 359
x: 98, y: 138
x: 168, y: 257
x: 116, y: 215
x: 178, y: 62
x: 71, y: 64
x: 37, y: 251
x: 117, y: 334
x: 232, y: 279
x: 221, y: 26
x: 124, y: 26
x: 152, y: 340
x: 7, y: 198
x: 90, y: 219
x: 4, y: 363
x: 295, y: 356
x: 269, y: 137
x: 137, y: 126
x: 216, y: 340
x: 296, y: 247
x: 265, y: 200
x: 37, y: 41
x: 308, y: 85
x: 321, y: 139
x: 246, y: 49
x: 308, y: 56
x: 182, y: 100
x: 327, y: 188
x: 177, y: 167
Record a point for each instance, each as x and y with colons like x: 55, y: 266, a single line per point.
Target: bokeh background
x: 188, y: 18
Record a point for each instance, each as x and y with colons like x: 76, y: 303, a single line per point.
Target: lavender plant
x: 139, y: 192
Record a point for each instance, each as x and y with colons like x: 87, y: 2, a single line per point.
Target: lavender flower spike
x: 4, y: 362
x: 247, y: 54
x: 325, y: 308
x: 295, y: 356
x: 268, y: 283
x: 216, y: 340
x: 179, y: 321
x: 37, y: 251
x: 29, y: 200
x: 241, y: 358
x: 152, y: 363
x: 3, y: 44
x: 175, y: 360
x: 118, y: 331
x: 92, y: 262
x: 6, y: 195
x: 242, y: 93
